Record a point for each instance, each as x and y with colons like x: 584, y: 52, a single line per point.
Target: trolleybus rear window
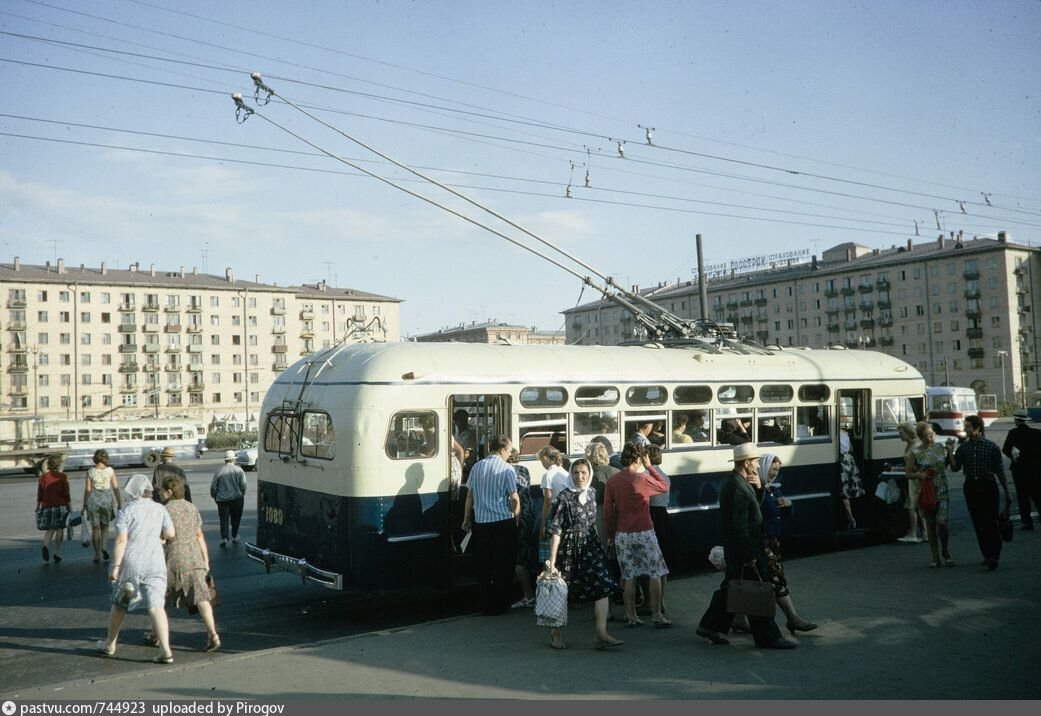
x: 408, y: 437
x: 281, y: 433
x: 319, y: 439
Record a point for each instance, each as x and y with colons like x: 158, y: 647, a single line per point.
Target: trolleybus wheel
x: 152, y: 459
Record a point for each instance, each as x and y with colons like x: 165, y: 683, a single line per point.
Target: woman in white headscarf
x: 771, y: 503
x: 138, y: 573
x: 575, y: 549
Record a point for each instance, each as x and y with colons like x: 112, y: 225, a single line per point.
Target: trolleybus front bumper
x: 294, y: 565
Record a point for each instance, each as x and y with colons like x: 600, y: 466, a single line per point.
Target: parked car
x: 246, y: 456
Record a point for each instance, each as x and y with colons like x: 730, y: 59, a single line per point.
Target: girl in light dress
x: 101, y: 500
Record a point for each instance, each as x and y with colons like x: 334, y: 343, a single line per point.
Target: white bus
x: 128, y: 442
x: 354, y: 451
x: 948, y: 406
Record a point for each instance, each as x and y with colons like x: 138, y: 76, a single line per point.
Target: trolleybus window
x: 812, y: 422
x: 634, y: 419
x: 692, y: 394
x: 646, y: 395
x: 537, y: 430
x: 776, y: 393
x: 774, y: 426
x: 690, y: 427
x: 736, y: 393
x: 281, y: 432
x: 319, y: 439
x: 406, y: 439
x: 890, y: 412
x: 814, y: 393
x: 733, y: 426
x: 587, y: 426
x: 594, y: 396
x: 551, y: 397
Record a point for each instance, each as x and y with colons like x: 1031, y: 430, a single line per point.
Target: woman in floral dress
x: 576, y: 550
x: 101, y: 500
x: 929, y: 461
x: 187, y: 559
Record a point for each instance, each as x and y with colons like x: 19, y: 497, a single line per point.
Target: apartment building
x: 960, y: 311
x: 82, y: 343
x: 493, y: 332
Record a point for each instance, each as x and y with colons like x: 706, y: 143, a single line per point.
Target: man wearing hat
x: 741, y: 529
x: 1023, y: 447
x: 165, y: 469
x: 228, y: 490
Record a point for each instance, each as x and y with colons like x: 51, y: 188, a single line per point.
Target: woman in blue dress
x: 576, y: 550
x: 138, y: 573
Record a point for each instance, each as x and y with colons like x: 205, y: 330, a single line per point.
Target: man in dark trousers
x: 1023, y: 448
x: 493, y: 510
x: 741, y: 528
x: 981, y: 459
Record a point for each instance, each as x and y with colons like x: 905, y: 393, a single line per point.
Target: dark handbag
x: 214, y: 599
x: 753, y: 597
x: 1005, y: 526
x: 927, y: 496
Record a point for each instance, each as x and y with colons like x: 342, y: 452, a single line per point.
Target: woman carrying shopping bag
x: 575, y: 549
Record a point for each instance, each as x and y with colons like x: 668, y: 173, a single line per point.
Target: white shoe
x: 905, y: 538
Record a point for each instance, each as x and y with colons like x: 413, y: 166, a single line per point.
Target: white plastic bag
x: 893, y: 495
x: 550, y: 599
x: 85, y: 533
x: 717, y: 558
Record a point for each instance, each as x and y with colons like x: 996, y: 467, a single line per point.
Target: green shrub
x: 230, y: 440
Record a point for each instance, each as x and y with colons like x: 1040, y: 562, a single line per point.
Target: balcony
x: 128, y: 348
x: 151, y: 368
x: 976, y: 352
x: 848, y: 291
x: 832, y: 311
x: 865, y: 288
x: 850, y: 325
x: 150, y: 328
x: 173, y: 349
x: 172, y: 309
x: 193, y: 328
x: 971, y: 275
x: 18, y: 368
x: 151, y: 347
x: 128, y: 389
x: 886, y: 340
x: 150, y: 307
x: 306, y: 315
x: 885, y: 322
x: 196, y: 387
x: 278, y: 310
x: 174, y: 389
x: 1022, y: 290
x: 17, y: 349
x: 760, y: 302
x: 831, y: 293
x: 762, y: 317
x: 279, y: 366
x: 974, y: 333
x: 173, y: 369
x: 280, y: 348
x: 867, y: 323
x: 882, y: 284
x: 867, y: 305
x: 975, y: 313
x: 16, y: 303
x: 195, y: 348
x: 194, y: 308
x: 128, y: 328
x: 307, y: 333
x: 746, y: 303
x: 849, y: 310
x: 16, y: 326
x: 306, y: 351
x: 126, y: 308
x: 833, y: 327
x: 885, y: 303
x: 1018, y: 271
x: 971, y: 293
x: 18, y: 390
x: 172, y: 328
x: 281, y: 330
x: 128, y: 367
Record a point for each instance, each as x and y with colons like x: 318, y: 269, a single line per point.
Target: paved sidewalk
x: 890, y: 628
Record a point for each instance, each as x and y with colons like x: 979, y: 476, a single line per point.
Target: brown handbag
x: 753, y: 597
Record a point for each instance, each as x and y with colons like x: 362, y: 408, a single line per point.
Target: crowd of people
x: 159, y: 558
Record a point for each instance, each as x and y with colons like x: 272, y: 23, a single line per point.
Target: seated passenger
x: 698, y: 429
x: 732, y: 432
x: 679, y: 429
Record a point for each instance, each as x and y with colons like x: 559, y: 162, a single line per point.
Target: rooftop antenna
x: 205, y: 251
x: 328, y: 270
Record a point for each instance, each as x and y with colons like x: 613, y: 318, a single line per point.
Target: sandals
x: 661, y: 622
x: 604, y: 644
x: 634, y: 622
x: 161, y: 659
x: 557, y: 644
x: 102, y: 647
x: 212, y: 644
x: 947, y: 561
x: 934, y: 564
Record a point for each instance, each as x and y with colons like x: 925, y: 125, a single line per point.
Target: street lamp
x: 1002, y: 355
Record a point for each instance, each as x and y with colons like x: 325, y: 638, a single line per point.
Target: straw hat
x: 229, y: 455
x: 168, y: 452
x: 744, y: 451
x: 1021, y: 415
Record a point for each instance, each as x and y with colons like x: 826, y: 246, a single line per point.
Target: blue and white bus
x: 354, y: 452
x: 128, y: 442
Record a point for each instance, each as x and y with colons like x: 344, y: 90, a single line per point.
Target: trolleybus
x: 948, y: 406
x: 354, y: 449
x: 128, y: 442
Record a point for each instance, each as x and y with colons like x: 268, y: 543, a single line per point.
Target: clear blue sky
x: 900, y: 109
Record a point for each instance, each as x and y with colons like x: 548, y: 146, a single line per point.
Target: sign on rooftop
x: 761, y: 262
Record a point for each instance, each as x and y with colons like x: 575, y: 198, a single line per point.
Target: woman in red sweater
x: 627, y: 516
x: 52, y: 506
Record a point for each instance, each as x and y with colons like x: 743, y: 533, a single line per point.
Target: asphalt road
x: 50, y: 615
